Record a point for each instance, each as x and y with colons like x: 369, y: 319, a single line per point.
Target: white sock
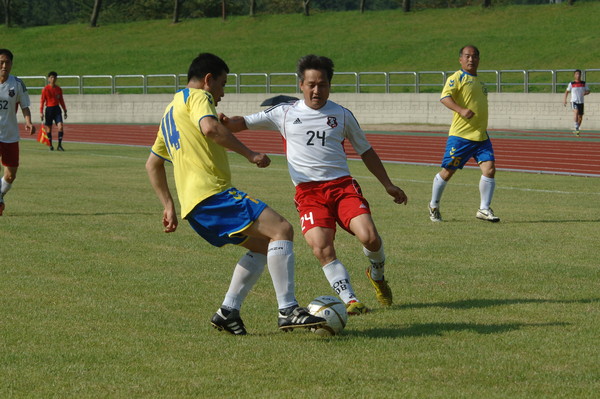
x: 245, y: 275
x: 4, y: 187
x: 339, y: 279
x: 486, y: 189
x: 377, y: 260
x: 280, y: 260
x: 439, y: 185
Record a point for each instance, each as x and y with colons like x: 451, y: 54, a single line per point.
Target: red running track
x: 528, y: 151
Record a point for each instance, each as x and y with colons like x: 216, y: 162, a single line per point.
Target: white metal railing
x: 508, y: 80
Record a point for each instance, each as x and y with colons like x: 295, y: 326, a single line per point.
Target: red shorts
x: 323, y: 204
x: 9, y: 152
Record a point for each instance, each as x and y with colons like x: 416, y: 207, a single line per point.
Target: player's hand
x: 42, y: 117
x: 30, y: 128
x: 169, y: 220
x: 399, y: 195
x: 261, y: 160
x: 65, y: 114
x: 467, y: 113
x: 224, y: 119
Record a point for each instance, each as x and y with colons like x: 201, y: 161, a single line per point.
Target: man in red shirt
x: 52, y: 96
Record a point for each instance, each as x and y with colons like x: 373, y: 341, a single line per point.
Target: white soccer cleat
x: 434, y: 214
x: 487, y: 214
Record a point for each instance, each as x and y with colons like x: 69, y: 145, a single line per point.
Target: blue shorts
x: 53, y: 114
x: 577, y: 107
x: 220, y: 219
x: 459, y: 151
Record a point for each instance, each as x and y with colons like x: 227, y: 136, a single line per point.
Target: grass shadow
x: 486, y: 303
x: 439, y: 329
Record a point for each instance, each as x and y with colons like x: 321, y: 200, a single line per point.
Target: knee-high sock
x: 280, y: 260
x: 437, y: 190
x: 486, y: 189
x: 339, y: 279
x: 377, y: 260
x: 4, y: 187
x: 245, y: 275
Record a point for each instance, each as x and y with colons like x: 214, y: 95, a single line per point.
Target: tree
x: 95, y: 13
x: 252, y: 7
x: 6, y: 4
x: 487, y: 3
x: 176, y: 11
x: 306, y: 5
x: 406, y: 5
x: 362, y: 6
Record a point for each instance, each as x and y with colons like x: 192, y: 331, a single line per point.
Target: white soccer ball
x: 331, y: 309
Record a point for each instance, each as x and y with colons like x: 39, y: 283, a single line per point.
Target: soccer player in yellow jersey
x: 466, y: 95
x: 193, y: 139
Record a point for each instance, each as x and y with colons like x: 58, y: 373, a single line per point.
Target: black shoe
x: 229, y: 321
x: 59, y: 148
x: 297, y: 317
x: 51, y: 148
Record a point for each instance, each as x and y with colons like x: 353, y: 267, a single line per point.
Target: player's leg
x: 9, y: 154
x: 59, y: 126
x: 48, y: 121
x: 281, y: 265
x: 451, y: 161
x: 364, y: 228
x: 576, y: 118
x: 487, y: 186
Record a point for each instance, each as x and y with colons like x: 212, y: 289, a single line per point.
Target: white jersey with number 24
x: 314, y: 139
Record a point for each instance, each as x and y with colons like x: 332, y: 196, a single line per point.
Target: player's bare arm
x: 221, y: 135
x: 28, y: 125
x: 452, y: 105
x: 375, y: 166
x: 234, y: 123
x: 155, y: 166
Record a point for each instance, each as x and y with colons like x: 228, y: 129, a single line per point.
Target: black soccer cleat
x: 228, y: 321
x: 298, y: 318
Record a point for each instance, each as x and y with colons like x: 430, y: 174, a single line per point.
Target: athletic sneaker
x: 576, y: 132
x: 434, y: 214
x: 487, y: 214
x: 296, y: 317
x: 228, y: 321
x: 51, y: 148
x: 60, y: 148
x: 354, y: 308
x: 383, y: 292
x: 1, y: 207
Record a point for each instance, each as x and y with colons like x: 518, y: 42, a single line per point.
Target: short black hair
x: 317, y: 62
x: 468, y: 45
x: 206, y: 63
x: 6, y: 52
x: 577, y: 70
x: 52, y: 73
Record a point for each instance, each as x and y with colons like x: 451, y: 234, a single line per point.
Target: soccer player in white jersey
x: 314, y: 130
x: 578, y: 89
x: 13, y: 93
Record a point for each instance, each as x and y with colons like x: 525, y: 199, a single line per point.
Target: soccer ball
x: 331, y: 309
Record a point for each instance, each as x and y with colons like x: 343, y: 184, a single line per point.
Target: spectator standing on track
x: 191, y: 137
x: 52, y: 96
x: 314, y: 130
x: 13, y: 93
x: 466, y: 95
x: 578, y: 89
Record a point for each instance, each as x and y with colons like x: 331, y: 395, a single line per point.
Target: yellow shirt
x: 201, y: 167
x: 468, y: 92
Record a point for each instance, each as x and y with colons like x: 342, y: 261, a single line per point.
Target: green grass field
x: 97, y: 302
x: 510, y: 37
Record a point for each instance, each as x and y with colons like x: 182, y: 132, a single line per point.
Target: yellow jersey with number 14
x: 200, y: 165
x: 468, y: 92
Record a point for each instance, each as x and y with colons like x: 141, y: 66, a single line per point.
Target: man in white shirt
x: 13, y: 93
x: 578, y: 89
x: 314, y: 130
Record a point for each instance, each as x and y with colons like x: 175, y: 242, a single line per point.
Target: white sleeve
x: 569, y: 87
x: 355, y: 134
x: 23, y: 95
x: 270, y: 119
